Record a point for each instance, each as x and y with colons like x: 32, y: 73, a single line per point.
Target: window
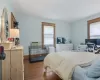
x: 94, y: 29
x: 48, y: 34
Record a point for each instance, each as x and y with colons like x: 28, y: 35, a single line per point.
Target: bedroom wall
x: 30, y: 29
x: 79, y: 30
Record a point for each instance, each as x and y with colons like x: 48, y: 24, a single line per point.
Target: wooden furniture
x: 6, y: 66
x: 7, y: 45
x: 13, y: 66
x: 64, y: 47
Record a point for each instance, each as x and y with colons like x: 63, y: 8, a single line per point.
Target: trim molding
x: 26, y: 57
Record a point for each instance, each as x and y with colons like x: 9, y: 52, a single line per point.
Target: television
x: 95, y: 41
x: 90, y: 41
x: 98, y: 42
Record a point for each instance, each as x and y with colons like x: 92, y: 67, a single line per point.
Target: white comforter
x: 63, y: 63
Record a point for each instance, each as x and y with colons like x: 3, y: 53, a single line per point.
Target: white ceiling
x: 68, y: 10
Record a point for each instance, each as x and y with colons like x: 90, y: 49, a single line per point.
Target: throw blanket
x: 63, y: 63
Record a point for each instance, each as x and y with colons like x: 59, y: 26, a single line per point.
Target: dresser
x: 13, y: 65
x: 81, y: 48
x: 64, y: 47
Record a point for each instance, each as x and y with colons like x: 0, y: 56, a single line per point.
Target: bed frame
x: 45, y: 71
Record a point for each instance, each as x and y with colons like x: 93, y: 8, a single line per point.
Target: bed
x: 63, y: 63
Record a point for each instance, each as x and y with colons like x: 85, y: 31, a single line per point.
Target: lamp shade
x: 14, y: 33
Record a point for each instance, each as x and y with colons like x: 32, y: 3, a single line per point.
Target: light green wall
x: 79, y: 30
x: 30, y: 29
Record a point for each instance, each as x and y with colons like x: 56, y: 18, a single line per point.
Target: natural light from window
x: 95, y: 30
x: 48, y: 35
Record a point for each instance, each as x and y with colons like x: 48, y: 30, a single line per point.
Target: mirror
x: 4, y: 26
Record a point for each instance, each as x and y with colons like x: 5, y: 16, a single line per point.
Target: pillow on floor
x: 94, y: 70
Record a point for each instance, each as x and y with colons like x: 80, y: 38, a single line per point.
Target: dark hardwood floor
x: 34, y: 71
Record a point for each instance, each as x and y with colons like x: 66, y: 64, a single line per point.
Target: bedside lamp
x: 14, y: 33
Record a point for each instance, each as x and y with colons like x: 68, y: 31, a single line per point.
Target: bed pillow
x: 94, y: 70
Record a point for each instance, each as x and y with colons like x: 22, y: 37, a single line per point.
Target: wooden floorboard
x: 34, y: 71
